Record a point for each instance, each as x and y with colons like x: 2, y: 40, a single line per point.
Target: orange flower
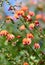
x: 18, y: 36
x: 38, y: 16
x: 3, y: 33
x: 25, y: 63
x: 22, y: 27
x: 10, y: 37
x: 31, y: 13
x: 24, y: 8
x: 30, y: 35
x: 31, y: 26
x: 20, y: 12
x: 16, y: 16
x: 26, y: 41
x: 36, y: 46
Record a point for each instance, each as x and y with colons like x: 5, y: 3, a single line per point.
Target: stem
x: 24, y: 24
x: 2, y: 25
x: 35, y: 52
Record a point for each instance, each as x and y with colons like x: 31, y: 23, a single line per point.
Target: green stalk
x: 35, y: 52
x: 2, y: 25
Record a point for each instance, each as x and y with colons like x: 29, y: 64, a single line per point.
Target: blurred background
x: 38, y: 6
x: 31, y: 3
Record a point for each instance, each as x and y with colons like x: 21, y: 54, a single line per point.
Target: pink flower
x: 31, y: 13
x: 29, y: 18
x: 36, y: 46
x: 10, y: 37
x: 36, y: 23
x: 31, y: 26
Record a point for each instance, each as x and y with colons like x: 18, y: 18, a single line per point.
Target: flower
x: 36, y: 46
x: 24, y: 8
x: 26, y: 41
x: 22, y: 27
x: 38, y: 16
x: 28, y: 18
x: 10, y: 37
x: 25, y: 63
x: 31, y: 26
x: 20, y: 12
x: 18, y: 36
x: 16, y: 16
x: 36, y: 23
x: 30, y: 35
x: 3, y: 33
x: 31, y: 13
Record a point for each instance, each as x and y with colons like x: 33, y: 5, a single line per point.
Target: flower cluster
x: 7, y: 34
x: 26, y: 35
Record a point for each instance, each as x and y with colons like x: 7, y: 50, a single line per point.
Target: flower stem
x: 35, y: 52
